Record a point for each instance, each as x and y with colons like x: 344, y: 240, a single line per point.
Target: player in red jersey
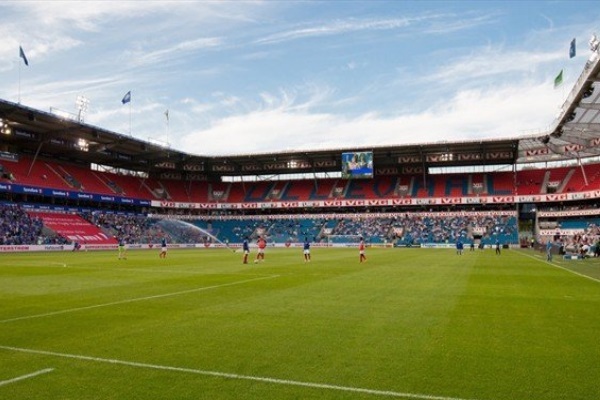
x: 260, y: 255
x: 361, y: 250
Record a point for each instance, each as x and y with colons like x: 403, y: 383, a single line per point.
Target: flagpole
x: 167, y: 126
x: 19, y: 93
x: 130, y: 118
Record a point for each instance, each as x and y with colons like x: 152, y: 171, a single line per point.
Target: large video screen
x: 357, y: 164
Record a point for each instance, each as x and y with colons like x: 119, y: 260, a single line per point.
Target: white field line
x: 558, y: 266
x: 114, y: 303
x: 23, y: 377
x: 225, y: 375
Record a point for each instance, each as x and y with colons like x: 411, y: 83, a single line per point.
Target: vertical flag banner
x: 559, y: 79
x: 126, y: 98
x: 22, y: 55
x: 573, y: 49
x: 167, y: 115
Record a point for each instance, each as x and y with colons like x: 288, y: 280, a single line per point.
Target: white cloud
x: 470, y: 114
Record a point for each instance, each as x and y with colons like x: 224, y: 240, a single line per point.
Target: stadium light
x: 83, y: 145
x: 5, y: 128
x: 82, y: 107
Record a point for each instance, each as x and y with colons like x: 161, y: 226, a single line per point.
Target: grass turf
x: 409, y: 323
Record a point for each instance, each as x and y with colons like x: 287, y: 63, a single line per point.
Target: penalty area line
x: 225, y: 375
x: 28, y: 376
x: 136, y: 299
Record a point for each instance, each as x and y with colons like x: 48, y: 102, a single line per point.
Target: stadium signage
x: 223, y: 168
x: 249, y: 168
x: 72, y: 195
x: 196, y: 177
x: 171, y: 175
x: 386, y: 171
x: 319, y: 164
x: 26, y: 189
x: 165, y: 164
x: 193, y: 167
x: 499, y: 155
x: 381, y: 202
x: 573, y: 148
x: 502, y: 199
x: 470, y: 157
x: 451, y: 200
x: 556, y: 197
x: 537, y: 152
x: 408, y: 159
x: 8, y: 156
x: 412, y: 170
x: 273, y: 166
x: 569, y: 213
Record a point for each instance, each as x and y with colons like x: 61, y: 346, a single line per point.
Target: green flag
x: 559, y: 79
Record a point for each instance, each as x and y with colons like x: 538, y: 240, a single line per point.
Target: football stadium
x: 454, y: 270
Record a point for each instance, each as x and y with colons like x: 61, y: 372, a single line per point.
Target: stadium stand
x: 74, y: 228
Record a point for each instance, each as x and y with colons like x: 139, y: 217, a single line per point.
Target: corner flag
x: 22, y: 55
x: 126, y: 98
x: 559, y: 79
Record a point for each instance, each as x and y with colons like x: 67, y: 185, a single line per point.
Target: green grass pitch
x: 409, y: 323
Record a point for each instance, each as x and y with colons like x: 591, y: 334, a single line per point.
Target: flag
x: 22, y: 55
x: 167, y: 115
x: 126, y: 98
x: 572, y: 48
x: 559, y: 79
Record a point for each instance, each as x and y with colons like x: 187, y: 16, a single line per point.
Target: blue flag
x: 572, y: 49
x: 126, y: 98
x: 22, y: 55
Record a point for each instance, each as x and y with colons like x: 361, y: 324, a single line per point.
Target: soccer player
x: 163, y: 247
x: 549, y: 250
x: 122, y: 248
x: 246, y: 250
x: 306, y: 250
x: 459, y: 247
x: 497, y: 247
x: 361, y: 250
x: 260, y: 255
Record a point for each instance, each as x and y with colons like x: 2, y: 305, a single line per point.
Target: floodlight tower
x: 83, y: 104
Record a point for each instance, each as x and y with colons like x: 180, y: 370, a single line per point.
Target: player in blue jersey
x: 306, y: 250
x: 245, y: 250
x: 459, y: 247
x: 163, y: 248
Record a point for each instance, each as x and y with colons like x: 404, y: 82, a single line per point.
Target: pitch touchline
x: 312, y: 385
x: 158, y: 296
x: 23, y: 377
x: 563, y: 268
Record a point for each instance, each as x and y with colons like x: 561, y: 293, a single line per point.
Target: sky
x: 244, y: 77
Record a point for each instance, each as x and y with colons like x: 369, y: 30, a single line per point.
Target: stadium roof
x: 575, y: 134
